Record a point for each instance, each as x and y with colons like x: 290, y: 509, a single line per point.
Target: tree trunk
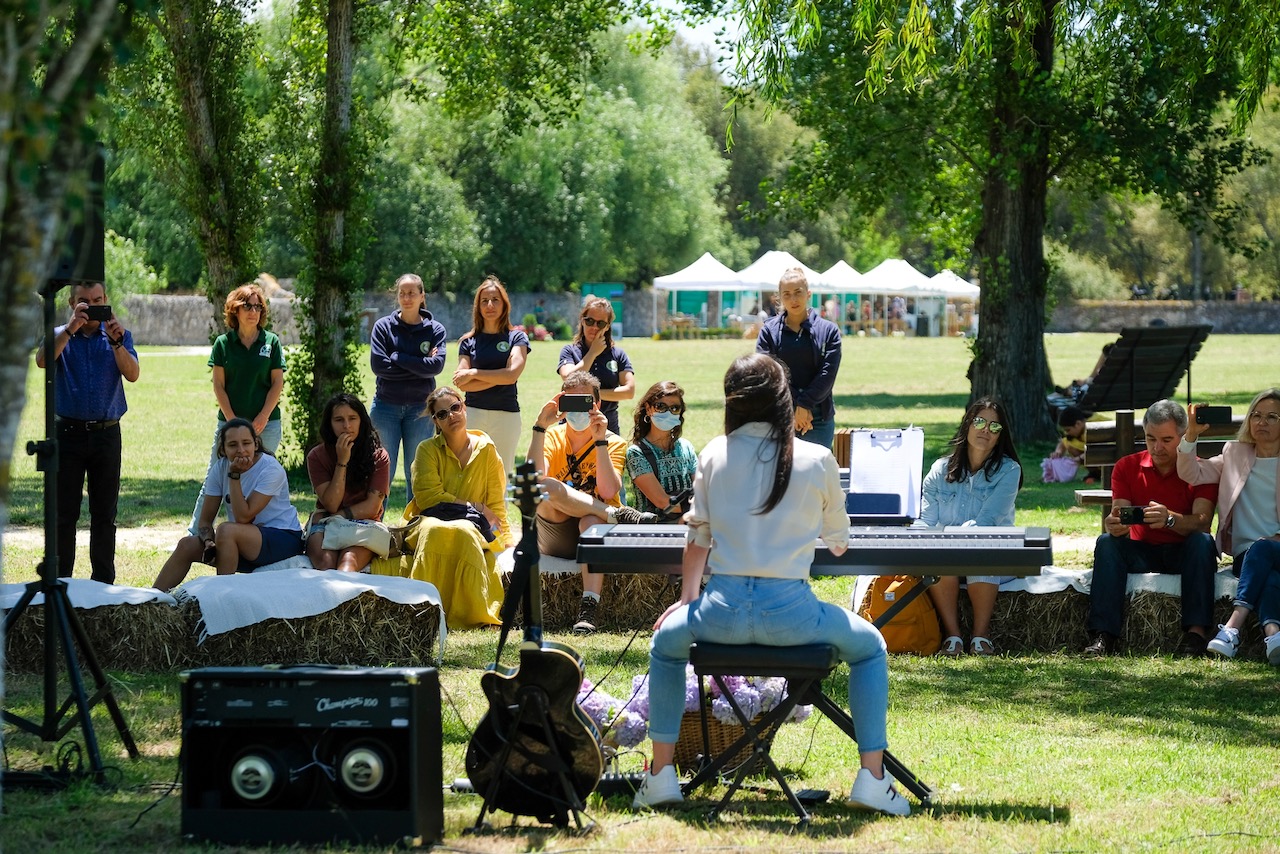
x: 1009, y: 361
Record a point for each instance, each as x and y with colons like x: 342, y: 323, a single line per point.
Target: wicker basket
x: 689, y: 746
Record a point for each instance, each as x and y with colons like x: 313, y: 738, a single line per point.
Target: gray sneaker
x: 1225, y: 642
x: 631, y: 516
x: 586, y: 624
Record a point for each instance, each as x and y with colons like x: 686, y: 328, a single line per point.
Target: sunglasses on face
x: 598, y: 324
x: 993, y: 426
x: 674, y: 409
x: 442, y: 414
x: 251, y: 306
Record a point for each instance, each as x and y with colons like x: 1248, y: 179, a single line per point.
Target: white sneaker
x: 658, y: 789
x: 1272, y: 645
x: 877, y: 795
x: 1225, y: 642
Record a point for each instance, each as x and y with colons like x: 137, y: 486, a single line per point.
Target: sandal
x: 952, y: 647
x: 981, y: 646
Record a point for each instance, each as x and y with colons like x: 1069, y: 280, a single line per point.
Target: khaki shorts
x: 558, y: 539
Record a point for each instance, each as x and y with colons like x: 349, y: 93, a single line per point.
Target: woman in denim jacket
x: 975, y: 485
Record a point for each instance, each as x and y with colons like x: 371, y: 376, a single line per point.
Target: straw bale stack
x: 149, y: 636
x: 628, y: 601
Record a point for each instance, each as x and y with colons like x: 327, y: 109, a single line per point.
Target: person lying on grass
x: 262, y: 526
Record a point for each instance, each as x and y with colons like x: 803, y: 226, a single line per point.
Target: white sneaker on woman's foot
x: 658, y: 789
x: 1272, y: 646
x: 1225, y: 642
x: 877, y: 795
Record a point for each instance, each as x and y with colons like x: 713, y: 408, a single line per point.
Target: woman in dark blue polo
x: 592, y: 350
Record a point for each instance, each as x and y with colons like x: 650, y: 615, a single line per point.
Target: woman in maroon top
x: 351, y: 473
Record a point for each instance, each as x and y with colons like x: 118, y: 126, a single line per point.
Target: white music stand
x: 885, y: 472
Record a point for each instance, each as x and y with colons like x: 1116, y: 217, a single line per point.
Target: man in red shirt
x: 1171, y: 536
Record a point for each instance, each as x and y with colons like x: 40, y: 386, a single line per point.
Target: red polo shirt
x: 1136, y: 479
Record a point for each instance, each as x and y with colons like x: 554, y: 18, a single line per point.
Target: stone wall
x: 189, y: 320
x: 1226, y: 318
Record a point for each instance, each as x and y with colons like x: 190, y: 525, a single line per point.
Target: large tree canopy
x: 963, y: 114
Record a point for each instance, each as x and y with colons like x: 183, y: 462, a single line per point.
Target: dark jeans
x: 94, y: 455
x: 1259, y: 588
x: 1115, y: 558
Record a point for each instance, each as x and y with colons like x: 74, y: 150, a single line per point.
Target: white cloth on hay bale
x: 85, y: 594
x: 547, y: 565
x: 233, y: 601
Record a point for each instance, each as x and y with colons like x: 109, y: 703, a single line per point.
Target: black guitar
x: 535, y: 752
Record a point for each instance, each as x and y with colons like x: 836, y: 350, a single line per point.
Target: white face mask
x: 579, y: 421
x: 665, y: 420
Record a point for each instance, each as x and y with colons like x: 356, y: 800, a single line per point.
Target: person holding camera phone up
x: 592, y: 350
x: 92, y: 353
x: 1158, y: 523
x: 582, y: 462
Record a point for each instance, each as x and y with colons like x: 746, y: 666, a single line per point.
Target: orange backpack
x: 915, y: 628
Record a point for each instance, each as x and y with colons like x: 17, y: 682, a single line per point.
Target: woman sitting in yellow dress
x: 459, y: 487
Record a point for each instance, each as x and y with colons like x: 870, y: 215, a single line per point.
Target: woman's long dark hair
x: 756, y: 389
x: 656, y: 392
x: 360, y: 469
x: 958, y: 462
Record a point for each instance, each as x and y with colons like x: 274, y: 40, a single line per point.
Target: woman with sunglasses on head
x: 406, y: 352
x: 975, y: 484
x: 661, y: 463
x: 459, y: 488
x: 491, y: 357
x: 1248, y: 474
x: 350, y: 473
x: 592, y: 350
x: 248, y: 373
x: 262, y: 526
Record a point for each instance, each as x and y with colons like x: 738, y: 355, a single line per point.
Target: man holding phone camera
x: 1158, y: 523
x: 582, y: 462
x: 92, y: 353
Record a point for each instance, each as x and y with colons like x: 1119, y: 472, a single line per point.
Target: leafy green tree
x: 127, y: 270
x: 969, y: 111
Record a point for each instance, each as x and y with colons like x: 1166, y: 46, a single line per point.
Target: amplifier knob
x: 363, y: 770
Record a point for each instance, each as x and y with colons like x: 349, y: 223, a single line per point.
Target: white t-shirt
x: 733, y: 481
x: 265, y: 477
x: 1255, y: 513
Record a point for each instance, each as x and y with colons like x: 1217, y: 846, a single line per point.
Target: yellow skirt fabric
x: 453, y: 556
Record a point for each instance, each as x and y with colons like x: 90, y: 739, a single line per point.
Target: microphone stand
x: 61, y: 625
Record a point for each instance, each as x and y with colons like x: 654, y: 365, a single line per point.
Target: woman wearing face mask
x: 592, y: 350
x: 660, y: 462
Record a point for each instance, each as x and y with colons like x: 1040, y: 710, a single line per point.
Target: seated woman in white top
x: 763, y: 498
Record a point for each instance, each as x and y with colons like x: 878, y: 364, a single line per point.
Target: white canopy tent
x: 955, y: 287
x: 705, y: 274
x: 765, y: 271
x: 842, y: 279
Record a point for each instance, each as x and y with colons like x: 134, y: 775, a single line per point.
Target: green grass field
x: 1035, y: 753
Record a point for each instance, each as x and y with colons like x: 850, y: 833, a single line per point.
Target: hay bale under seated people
x: 142, y: 637
x: 368, y: 630
x: 628, y: 601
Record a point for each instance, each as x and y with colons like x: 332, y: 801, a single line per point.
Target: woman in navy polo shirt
x: 491, y: 357
x: 809, y: 345
x: 592, y: 350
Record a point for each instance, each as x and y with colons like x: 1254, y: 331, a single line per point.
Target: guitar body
x: 535, y: 752
x: 532, y: 787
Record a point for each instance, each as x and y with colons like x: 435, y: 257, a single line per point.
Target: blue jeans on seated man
x: 740, y: 609
x: 1259, y: 588
x: 402, y: 427
x: 1116, y: 558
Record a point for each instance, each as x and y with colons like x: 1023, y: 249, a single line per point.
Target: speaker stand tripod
x: 62, y: 628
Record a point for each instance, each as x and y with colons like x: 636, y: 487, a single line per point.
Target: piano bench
x: 804, y: 668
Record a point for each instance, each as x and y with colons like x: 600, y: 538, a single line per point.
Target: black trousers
x: 92, y: 455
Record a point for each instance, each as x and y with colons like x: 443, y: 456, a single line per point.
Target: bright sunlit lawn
x: 1034, y: 752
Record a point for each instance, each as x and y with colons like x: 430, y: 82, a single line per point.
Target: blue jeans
x: 1259, y: 588
x: 1115, y: 558
x: 402, y: 426
x: 270, y: 436
x: 774, y: 612
x: 822, y: 433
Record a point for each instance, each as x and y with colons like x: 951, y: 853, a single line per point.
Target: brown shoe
x: 1192, y: 645
x: 1104, y: 643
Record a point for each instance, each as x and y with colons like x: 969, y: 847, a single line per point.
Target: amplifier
x: 312, y: 754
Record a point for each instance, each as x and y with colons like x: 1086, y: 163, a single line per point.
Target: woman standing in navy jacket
x: 406, y: 351
x: 809, y: 345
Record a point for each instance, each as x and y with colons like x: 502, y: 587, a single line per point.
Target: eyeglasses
x: 251, y: 306
x: 591, y: 321
x: 674, y: 409
x: 442, y: 414
x: 993, y: 426
x: 1271, y: 418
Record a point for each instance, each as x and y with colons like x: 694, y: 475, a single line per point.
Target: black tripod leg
x: 57, y: 607
x: 105, y: 691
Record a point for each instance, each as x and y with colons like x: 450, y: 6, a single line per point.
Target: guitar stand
x: 532, y: 704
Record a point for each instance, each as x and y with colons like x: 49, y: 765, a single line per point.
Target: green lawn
x: 1040, y: 752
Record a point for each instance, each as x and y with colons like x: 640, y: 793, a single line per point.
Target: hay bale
x: 144, y: 637
x: 368, y: 630
x: 627, y: 602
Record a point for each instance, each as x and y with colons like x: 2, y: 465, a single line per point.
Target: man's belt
x: 86, y: 426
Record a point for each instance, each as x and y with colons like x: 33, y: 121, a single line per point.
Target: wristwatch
x: 1169, y: 521
x: 235, y: 475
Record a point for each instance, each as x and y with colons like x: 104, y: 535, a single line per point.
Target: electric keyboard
x: 872, y: 551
